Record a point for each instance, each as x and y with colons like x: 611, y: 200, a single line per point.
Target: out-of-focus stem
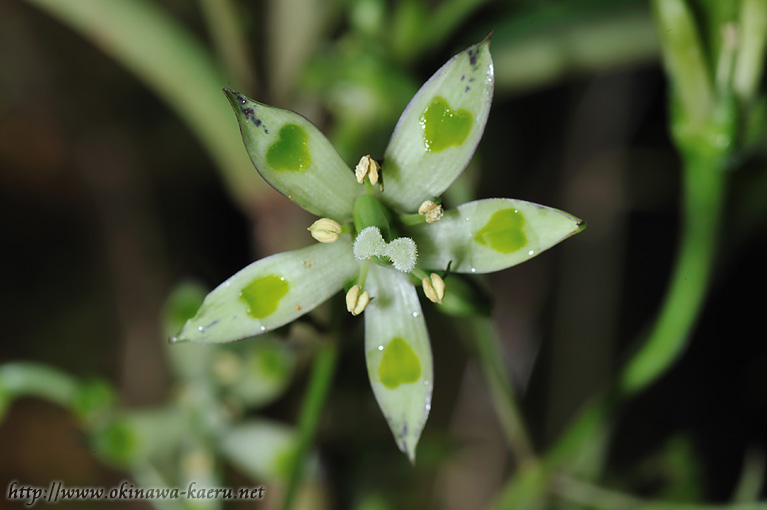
x: 504, y: 402
x: 703, y: 195
x: 323, y: 368
x: 752, y: 41
x: 33, y: 379
x: 683, y: 57
x: 228, y: 37
x: 176, y: 67
x: 601, y: 498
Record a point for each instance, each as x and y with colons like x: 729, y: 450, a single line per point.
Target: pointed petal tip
x: 487, y: 39
x: 234, y: 97
x: 409, y: 450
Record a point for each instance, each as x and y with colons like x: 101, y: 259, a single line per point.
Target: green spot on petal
x: 503, y: 232
x: 262, y: 295
x: 443, y: 127
x: 399, y: 364
x: 289, y: 152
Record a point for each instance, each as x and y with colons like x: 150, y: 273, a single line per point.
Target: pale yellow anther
x: 325, y: 230
x: 367, y: 167
x: 434, y: 288
x: 356, y: 300
x: 432, y: 210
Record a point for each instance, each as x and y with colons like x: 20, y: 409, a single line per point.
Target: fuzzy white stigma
x: 369, y: 243
x: 401, y: 251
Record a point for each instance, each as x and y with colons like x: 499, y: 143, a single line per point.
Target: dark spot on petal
x: 466, y: 89
x: 247, y: 111
x: 463, y: 77
x: 258, y: 122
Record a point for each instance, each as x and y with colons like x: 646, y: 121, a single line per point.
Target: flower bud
x: 325, y: 230
x: 356, y: 300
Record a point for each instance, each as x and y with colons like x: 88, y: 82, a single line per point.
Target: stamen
x: 325, y: 230
x: 367, y: 167
x: 434, y: 288
x: 432, y: 210
x: 356, y: 300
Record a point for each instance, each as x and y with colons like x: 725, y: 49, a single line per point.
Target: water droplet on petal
x: 416, y: 314
x: 263, y: 328
x: 473, y: 269
x: 200, y: 329
x: 380, y: 347
x: 531, y: 252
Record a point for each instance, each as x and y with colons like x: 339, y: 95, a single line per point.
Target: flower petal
x: 398, y: 355
x: 296, y: 158
x: 437, y: 134
x: 489, y: 235
x: 271, y: 292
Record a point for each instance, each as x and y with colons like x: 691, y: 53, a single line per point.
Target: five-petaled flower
x: 383, y: 232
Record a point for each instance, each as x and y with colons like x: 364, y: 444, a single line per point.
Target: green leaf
x: 490, y: 235
x: 271, y: 292
x: 133, y: 437
x: 148, y: 41
x: 437, y: 134
x: 398, y: 355
x: 254, y: 373
x: 296, y: 158
x: 261, y: 449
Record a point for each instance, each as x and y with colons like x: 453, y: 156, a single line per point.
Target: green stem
x: 323, y: 368
x: 684, y: 58
x: 704, y: 193
x: 749, y: 65
x: 600, y: 498
x: 33, y: 379
x: 506, y: 407
x: 226, y: 29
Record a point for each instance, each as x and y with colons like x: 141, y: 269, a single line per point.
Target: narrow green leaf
x: 437, y: 134
x: 271, y: 292
x: 490, y: 235
x: 398, y: 355
x: 146, y: 40
x: 296, y: 158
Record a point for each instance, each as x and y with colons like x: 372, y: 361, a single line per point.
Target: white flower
x: 382, y: 240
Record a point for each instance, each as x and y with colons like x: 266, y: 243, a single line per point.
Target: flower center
x: 375, y: 240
